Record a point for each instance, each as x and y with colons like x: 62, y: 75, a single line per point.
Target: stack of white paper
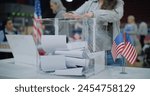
x: 77, y: 45
x: 52, y: 62
x: 72, y: 71
x: 74, y: 62
x: 51, y: 43
x: 71, y: 53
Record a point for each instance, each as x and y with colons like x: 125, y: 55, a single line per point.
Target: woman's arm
x: 82, y: 9
x: 100, y: 15
x: 78, y: 14
x: 110, y: 15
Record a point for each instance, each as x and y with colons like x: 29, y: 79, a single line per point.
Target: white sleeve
x: 82, y: 9
x: 110, y: 15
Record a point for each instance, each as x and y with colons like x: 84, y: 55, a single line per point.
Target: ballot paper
x: 23, y: 49
x: 77, y: 45
x: 51, y: 43
x: 70, y: 72
x: 71, y: 53
x: 75, y: 62
x: 52, y: 62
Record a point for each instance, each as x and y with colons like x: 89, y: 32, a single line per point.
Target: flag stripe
x: 37, y: 24
x: 128, y: 50
x: 114, y: 54
x: 116, y: 50
x: 133, y: 57
x: 130, y: 53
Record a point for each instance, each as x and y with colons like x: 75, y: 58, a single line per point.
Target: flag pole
x: 123, y: 58
x: 123, y: 66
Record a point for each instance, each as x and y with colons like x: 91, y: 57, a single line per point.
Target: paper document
x: 73, y: 53
x: 51, y: 43
x: 74, y: 62
x: 72, y: 72
x: 52, y: 62
x: 77, y: 45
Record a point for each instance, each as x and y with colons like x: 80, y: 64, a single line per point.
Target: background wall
x: 139, y: 8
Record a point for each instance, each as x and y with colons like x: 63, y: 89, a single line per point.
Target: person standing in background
x: 143, y: 31
x: 132, y: 29
x: 7, y: 29
x: 57, y: 8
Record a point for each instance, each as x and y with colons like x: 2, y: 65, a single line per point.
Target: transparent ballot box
x: 72, y: 42
x: 75, y: 30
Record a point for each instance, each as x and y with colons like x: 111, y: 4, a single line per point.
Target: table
x: 9, y: 70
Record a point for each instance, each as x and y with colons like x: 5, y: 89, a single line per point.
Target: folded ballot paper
x: 77, y: 45
x: 52, y: 62
x: 51, y: 43
x: 75, y: 62
x: 71, y: 72
x: 71, y: 53
x: 80, y: 71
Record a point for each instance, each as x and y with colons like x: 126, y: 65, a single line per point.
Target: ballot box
x: 79, y: 49
x: 81, y: 39
x: 75, y: 30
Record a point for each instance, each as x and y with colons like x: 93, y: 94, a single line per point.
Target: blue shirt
x: 1, y: 36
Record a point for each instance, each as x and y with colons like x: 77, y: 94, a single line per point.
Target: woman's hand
x: 72, y: 16
x: 76, y: 16
x: 88, y: 15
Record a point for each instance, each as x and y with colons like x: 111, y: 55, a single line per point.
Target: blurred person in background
x: 132, y: 29
x: 7, y: 29
x: 143, y: 31
x: 57, y: 8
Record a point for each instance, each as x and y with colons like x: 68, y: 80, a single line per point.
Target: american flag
x: 122, y: 46
x: 118, y: 46
x: 37, y: 24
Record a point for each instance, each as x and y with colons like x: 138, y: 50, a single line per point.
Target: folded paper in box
x: 52, y: 62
